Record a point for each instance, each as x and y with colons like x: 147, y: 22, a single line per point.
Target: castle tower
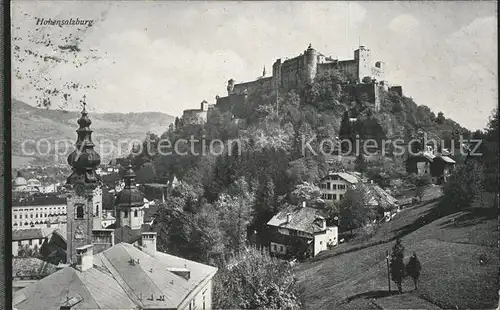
x: 129, y: 203
x: 204, y: 105
x: 311, y: 57
x: 230, y: 87
x: 363, y: 59
x: 84, y: 201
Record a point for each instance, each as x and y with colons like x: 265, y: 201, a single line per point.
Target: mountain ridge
x: 31, y: 125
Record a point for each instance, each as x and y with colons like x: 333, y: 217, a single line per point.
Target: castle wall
x: 228, y: 104
x: 397, y: 89
x: 292, y: 72
x: 194, y: 116
x: 250, y: 87
x: 373, y: 92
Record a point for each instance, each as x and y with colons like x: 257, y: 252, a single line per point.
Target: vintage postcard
x: 253, y: 155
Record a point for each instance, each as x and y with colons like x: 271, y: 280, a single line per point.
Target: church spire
x: 84, y: 159
x: 264, y: 71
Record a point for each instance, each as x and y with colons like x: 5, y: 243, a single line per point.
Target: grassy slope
x: 448, y: 248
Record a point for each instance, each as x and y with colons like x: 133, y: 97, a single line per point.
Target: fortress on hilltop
x: 364, y: 77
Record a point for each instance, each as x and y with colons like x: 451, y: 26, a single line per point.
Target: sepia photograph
x: 252, y: 155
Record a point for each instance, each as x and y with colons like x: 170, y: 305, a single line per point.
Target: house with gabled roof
x: 296, y: 230
x: 334, y: 185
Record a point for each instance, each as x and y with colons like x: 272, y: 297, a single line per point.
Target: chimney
x: 149, y: 243
x: 182, y: 272
x: 103, y: 239
x: 84, y: 257
x: 288, y: 217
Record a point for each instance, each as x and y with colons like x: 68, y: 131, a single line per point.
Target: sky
x: 169, y: 56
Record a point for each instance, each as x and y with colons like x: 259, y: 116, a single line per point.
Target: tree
x: 255, y: 280
x: 346, y: 130
x: 464, y: 185
x: 360, y: 164
x: 421, y: 184
x: 353, y: 208
x: 440, y: 118
x: 397, y: 265
x: 413, y: 269
x: 307, y: 192
x: 235, y: 207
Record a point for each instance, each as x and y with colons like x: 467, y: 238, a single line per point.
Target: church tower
x: 84, y: 201
x: 129, y: 203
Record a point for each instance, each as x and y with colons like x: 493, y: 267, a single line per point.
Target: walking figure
x: 413, y: 269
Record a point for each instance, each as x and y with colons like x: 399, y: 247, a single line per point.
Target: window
x: 203, y: 302
x: 135, y: 213
x: 281, y: 248
x: 36, y: 215
x: 40, y: 241
x: 97, y: 210
x: 334, y: 186
x: 328, y: 185
x: 30, y: 242
x: 20, y: 216
x: 79, y: 211
x: 274, y: 247
x: 19, y: 243
x: 31, y: 215
x: 15, y: 216
x: 125, y: 214
x: 341, y: 196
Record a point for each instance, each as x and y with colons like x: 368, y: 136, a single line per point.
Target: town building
x: 300, y: 229
x: 31, y: 238
x: 334, y: 185
x: 38, y: 210
x: 429, y: 162
x: 118, y: 268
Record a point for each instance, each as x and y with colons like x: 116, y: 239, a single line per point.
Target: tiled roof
x: 346, y: 176
x: 302, y: 219
x: 115, y: 283
x: 448, y: 159
x: 378, y: 196
x: 27, y: 234
x: 31, y: 267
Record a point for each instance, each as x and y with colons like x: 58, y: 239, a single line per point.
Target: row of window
x: 31, y: 224
x: 30, y: 242
x: 332, y: 196
x: 36, y: 215
x: 42, y: 209
x: 125, y: 214
x: 329, y: 185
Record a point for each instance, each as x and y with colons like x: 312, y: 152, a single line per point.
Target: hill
x: 354, y: 276
x: 33, y: 124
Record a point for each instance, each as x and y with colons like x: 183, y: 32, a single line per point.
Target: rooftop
x: 145, y: 284
x: 27, y: 234
x: 301, y: 219
x: 31, y: 267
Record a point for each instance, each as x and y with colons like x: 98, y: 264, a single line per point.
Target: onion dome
x: 20, y: 181
x: 130, y: 196
x: 84, y: 159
